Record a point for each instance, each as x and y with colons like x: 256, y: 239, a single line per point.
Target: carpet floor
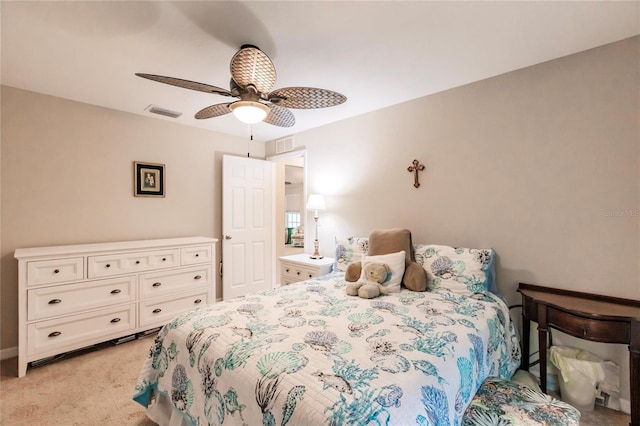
x: 86, y: 388
x: 95, y: 388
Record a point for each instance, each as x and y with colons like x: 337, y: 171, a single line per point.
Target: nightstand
x: 300, y: 267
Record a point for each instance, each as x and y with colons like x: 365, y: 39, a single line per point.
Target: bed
x: 308, y: 354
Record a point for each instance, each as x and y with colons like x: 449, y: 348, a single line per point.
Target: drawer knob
x: 157, y: 311
x: 197, y: 301
x: 137, y: 262
x: 298, y: 272
x: 310, y: 275
x: 156, y: 284
x: 108, y: 265
x: 164, y: 259
x: 197, y: 255
x: 55, y: 334
x: 585, y: 330
x: 116, y: 291
x: 56, y: 271
x: 287, y: 270
x: 54, y: 301
x: 115, y: 320
x: 197, y: 277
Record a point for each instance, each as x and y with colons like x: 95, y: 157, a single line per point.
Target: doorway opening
x: 290, y: 203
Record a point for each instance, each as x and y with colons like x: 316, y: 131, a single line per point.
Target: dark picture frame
x: 148, y: 179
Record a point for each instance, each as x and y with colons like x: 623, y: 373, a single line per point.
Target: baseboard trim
x: 625, y: 406
x: 8, y: 353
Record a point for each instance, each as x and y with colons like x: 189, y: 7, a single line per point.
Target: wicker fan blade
x: 186, y: 84
x: 251, y: 66
x: 213, y: 111
x: 279, y: 116
x: 306, y: 97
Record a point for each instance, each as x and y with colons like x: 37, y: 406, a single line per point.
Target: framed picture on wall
x: 148, y: 179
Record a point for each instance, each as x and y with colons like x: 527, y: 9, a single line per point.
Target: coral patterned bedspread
x: 307, y: 354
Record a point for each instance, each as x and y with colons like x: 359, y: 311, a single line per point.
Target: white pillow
x: 396, y: 265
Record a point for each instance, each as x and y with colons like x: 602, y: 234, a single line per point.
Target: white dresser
x: 77, y: 295
x: 300, y: 267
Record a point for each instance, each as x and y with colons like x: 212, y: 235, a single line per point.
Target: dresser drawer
x: 73, y: 330
x: 160, y: 283
x: 125, y: 263
x: 604, y: 331
x: 48, y: 302
x: 55, y: 271
x: 294, y: 273
x: 194, y: 255
x: 159, y: 311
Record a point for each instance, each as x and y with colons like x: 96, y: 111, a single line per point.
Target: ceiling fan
x: 253, y: 75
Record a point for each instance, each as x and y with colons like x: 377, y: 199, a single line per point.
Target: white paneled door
x: 247, y: 226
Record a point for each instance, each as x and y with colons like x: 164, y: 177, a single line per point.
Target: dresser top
x: 25, y: 253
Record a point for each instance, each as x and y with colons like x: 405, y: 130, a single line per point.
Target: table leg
x: 526, y: 344
x: 542, y: 345
x: 634, y: 367
x: 634, y: 372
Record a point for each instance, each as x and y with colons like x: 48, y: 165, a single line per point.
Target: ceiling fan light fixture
x: 253, y: 76
x: 249, y: 112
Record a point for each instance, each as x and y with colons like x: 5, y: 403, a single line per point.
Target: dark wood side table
x: 587, y: 316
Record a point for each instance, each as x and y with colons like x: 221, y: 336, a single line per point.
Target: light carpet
x: 89, y: 388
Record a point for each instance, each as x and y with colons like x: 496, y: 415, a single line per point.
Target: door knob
x: 227, y: 237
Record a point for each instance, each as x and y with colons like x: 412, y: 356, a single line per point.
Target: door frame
x: 278, y: 249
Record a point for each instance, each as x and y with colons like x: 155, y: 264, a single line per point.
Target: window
x: 292, y: 219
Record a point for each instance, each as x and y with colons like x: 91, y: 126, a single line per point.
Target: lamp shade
x: 249, y: 112
x: 316, y: 202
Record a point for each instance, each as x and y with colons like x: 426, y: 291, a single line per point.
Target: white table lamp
x: 315, y: 203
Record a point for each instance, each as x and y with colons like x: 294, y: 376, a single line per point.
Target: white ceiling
x: 376, y: 53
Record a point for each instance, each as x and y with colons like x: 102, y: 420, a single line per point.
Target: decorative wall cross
x: 415, y: 168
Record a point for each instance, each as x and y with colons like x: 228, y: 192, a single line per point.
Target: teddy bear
x: 384, y: 241
x: 371, y: 282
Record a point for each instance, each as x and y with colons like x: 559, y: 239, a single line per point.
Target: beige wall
x: 528, y: 163
x: 67, y: 172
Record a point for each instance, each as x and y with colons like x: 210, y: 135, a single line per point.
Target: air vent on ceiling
x: 163, y: 111
x: 284, y: 145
